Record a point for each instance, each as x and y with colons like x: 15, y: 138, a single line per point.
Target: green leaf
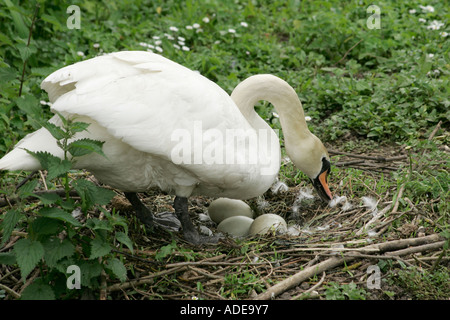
x: 28, y: 254
x: 117, y: 268
x: 30, y: 105
x: 57, y: 213
x: 54, y: 165
x: 91, y: 194
x: 99, y: 247
x: 48, y: 198
x: 19, y: 24
x: 79, y: 126
x: 42, y: 226
x: 27, y: 189
x: 90, y: 270
x: 96, y: 224
x: 56, y: 250
x: 7, y: 74
x: 123, y: 238
x: 85, y: 146
x: 7, y: 258
x: 55, y: 131
x: 25, y: 51
x: 38, y: 290
x: 8, y: 223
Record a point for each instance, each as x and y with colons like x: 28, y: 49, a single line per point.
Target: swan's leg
x: 189, y: 231
x: 142, y: 212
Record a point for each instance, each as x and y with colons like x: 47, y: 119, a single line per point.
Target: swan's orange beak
x: 321, y: 185
x: 324, y: 184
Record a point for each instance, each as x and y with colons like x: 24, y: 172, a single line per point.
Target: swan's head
x: 311, y: 157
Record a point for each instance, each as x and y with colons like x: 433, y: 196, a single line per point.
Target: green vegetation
x: 366, y: 90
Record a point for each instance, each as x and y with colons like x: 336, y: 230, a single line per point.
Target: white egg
x: 237, y: 226
x: 268, y: 222
x: 223, y: 208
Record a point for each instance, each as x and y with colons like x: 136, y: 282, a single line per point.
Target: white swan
x: 165, y: 126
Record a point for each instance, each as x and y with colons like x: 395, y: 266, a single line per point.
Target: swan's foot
x: 141, y: 211
x: 190, y: 233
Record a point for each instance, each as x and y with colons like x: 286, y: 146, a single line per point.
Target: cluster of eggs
x: 236, y: 218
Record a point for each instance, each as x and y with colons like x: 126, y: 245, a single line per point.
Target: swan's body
x: 136, y: 101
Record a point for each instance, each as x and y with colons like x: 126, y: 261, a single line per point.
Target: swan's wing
x: 142, y: 99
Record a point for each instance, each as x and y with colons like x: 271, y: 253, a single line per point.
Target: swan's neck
x: 284, y: 99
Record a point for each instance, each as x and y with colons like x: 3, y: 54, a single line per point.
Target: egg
x: 267, y: 222
x: 237, y: 226
x: 223, y: 208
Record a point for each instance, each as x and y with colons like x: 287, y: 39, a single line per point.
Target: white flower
x: 158, y: 42
x: 189, y: 27
x: 231, y: 30
x: 176, y: 46
x: 412, y: 11
x: 307, y: 118
x: 184, y: 48
x: 444, y: 34
x: 181, y: 43
x: 205, y: 20
x: 159, y: 49
x: 430, y: 55
x: 181, y: 39
x: 175, y: 29
x: 155, y: 37
x: 435, y: 25
x: 196, y: 26
x: 427, y: 8
x: 96, y: 45
x: 244, y: 24
x: 80, y: 53
x: 43, y: 102
x: 422, y: 20
x: 199, y: 30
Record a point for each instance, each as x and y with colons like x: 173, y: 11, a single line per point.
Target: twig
x: 10, y: 291
x: 348, y: 51
x: 425, y: 247
x: 318, y: 284
x: 333, y: 262
x: 28, y: 44
x: 360, y: 156
x: 144, y: 280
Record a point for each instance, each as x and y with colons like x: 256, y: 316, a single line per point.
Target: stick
x: 318, y: 284
x: 425, y: 247
x: 348, y: 51
x: 379, y: 158
x: 333, y: 262
x: 301, y: 276
x: 144, y: 280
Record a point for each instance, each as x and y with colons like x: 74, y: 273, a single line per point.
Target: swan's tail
x: 19, y: 159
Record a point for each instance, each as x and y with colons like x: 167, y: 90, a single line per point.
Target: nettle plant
x: 63, y: 232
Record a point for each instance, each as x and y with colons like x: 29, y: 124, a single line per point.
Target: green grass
x: 361, y: 87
